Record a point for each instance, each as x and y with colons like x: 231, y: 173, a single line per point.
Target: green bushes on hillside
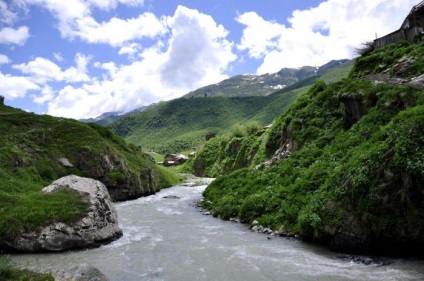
x: 236, y: 150
x: 31, y: 150
x: 356, y: 164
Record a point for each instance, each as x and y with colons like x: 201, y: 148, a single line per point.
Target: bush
x: 365, y: 49
x: 7, y: 267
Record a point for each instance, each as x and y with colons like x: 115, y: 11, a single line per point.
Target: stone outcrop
x: 99, y: 226
x: 81, y: 272
x: 354, y: 108
x: 112, y: 170
x: 64, y: 162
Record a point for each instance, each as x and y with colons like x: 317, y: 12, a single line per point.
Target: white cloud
x: 75, y: 20
x: 78, y: 73
x: 330, y: 31
x: 4, y: 59
x: 196, y: 54
x: 111, y: 4
x: 47, y: 94
x: 259, y: 35
x: 69, y: 100
x: 41, y: 70
x: 130, y: 50
x: 14, y: 36
x: 13, y: 87
x: 6, y: 15
x: 58, y: 57
x: 117, y: 31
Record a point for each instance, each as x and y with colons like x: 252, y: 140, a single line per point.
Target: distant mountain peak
x: 249, y: 84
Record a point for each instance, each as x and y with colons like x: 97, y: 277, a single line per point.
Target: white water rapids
x: 169, y: 239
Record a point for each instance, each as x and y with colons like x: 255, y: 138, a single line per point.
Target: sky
x: 81, y: 58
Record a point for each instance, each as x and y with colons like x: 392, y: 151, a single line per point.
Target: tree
x: 1, y: 100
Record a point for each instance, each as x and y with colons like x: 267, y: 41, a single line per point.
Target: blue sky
x: 80, y: 58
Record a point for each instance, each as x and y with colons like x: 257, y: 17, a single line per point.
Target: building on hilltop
x: 412, y: 28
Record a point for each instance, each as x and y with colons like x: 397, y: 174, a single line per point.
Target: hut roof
x: 416, y: 11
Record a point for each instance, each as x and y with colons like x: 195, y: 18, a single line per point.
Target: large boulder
x: 99, y: 226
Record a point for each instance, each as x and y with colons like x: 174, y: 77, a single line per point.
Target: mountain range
x: 181, y: 124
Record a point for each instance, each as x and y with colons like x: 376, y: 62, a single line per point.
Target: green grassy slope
x: 242, y: 152
x: 30, y: 146
x: 355, y: 177
x: 180, y: 124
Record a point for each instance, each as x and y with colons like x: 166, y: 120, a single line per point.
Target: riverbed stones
x: 81, y: 272
x: 99, y: 226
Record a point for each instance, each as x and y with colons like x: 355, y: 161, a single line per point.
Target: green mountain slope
x: 180, y: 124
x: 351, y: 168
x: 262, y: 85
x: 35, y: 150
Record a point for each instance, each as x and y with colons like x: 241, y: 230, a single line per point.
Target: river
x: 169, y: 239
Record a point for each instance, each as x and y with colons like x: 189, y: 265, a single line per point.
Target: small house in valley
x: 412, y: 28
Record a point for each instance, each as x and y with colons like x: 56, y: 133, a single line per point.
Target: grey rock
x: 171, y: 197
x: 418, y: 81
x: 64, y: 162
x: 99, y: 226
x: 82, y: 272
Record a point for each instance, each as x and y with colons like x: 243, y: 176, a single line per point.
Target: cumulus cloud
x: 117, y: 31
x: 13, y: 87
x: 259, y: 35
x: 198, y: 52
x: 42, y: 70
x: 130, y: 50
x: 4, y: 59
x: 14, y: 36
x: 75, y: 20
x: 195, y: 55
x: 313, y: 37
x: 47, y: 94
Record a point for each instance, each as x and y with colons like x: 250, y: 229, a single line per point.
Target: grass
x: 9, y: 271
x: 178, y: 125
x: 366, y: 167
x: 30, y: 146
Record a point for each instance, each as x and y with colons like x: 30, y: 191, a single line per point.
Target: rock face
x: 82, y: 272
x: 99, y: 226
x: 112, y: 170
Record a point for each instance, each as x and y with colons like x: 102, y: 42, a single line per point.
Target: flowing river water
x: 169, y: 239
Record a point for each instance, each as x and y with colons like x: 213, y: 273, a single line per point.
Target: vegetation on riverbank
x: 36, y: 150
x: 9, y: 271
x: 356, y: 163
